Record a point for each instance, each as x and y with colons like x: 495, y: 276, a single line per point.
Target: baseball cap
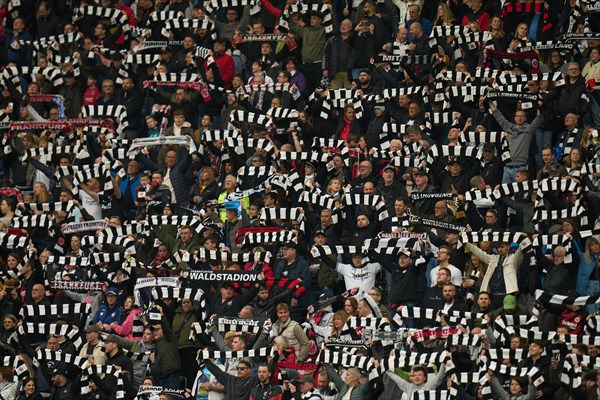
x: 112, y: 290
x: 290, y: 245
x: 58, y: 371
x: 111, y: 339
x: 92, y: 328
x: 510, y: 302
x: 230, y: 335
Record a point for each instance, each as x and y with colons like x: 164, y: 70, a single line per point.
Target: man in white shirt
x: 360, y: 273
x: 90, y: 199
x: 444, y: 255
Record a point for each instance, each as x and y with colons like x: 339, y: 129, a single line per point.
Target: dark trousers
x: 313, y: 74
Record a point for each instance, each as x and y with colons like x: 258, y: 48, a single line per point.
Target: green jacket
x: 167, y: 238
x: 167, y: 354
x: 182, y: 326
x: 313, y: 42
x: 326, y: 276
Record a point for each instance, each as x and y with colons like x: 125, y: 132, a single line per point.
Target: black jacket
x: 133, y: 102
x: 235, y: 388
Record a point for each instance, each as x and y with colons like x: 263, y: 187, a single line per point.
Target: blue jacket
x: 107, y: 315
x: 135, y: 183
x: 298, y: 270
x: 584, y: 271
x: 23, y: 55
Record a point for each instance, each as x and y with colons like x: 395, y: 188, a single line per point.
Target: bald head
x: 416, y: 30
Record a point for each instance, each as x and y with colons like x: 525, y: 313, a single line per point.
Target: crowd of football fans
x: 268, y: 199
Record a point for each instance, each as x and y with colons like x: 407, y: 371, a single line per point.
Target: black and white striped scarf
x: 374, y: 201
x: 116, y: 16
x: 119, y: 390
x: 254, y: 238
x: 305, y: 9
x: 241, y: 116
x: 126, y: 242
x: 208, y: 354
x: 249, y: 325
x: 36, y: 310
x: 101, y: 111
x: 239, y: 144
x: 546, y: 297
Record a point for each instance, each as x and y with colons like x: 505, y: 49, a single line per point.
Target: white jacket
x: 511, y: 263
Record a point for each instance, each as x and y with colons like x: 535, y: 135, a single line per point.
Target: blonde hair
x: 44, y: 194
x: 500, y: 33
x: 587, y: 254
x: 281, y: 342
x: 341, y: 314
x: 447, y: 17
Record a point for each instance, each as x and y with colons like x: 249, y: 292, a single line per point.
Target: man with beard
x: 363, y: 229
x: 389, y: 187
x: 434, y: 298
x: 264, y: 389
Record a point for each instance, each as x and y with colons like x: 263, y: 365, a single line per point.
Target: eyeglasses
x: 241, y: 368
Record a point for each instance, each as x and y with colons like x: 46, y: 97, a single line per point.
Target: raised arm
x: 497, y: 389
x: 335, y: 377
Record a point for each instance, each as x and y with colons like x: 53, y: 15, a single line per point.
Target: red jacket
x: 226, y: 68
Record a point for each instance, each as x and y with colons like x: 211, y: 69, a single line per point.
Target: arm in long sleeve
x: 437, y: 379
x: 165, y: 238
x: 536, y: 122
x: 248, y: 295
x: 166, y: 328
x: 80, y: 297
x: 214, y: 329
x: 262, y: 341
x: 497, y: 389
x: 482, y: 255
x: 502, y: 121
x: 302, y: 353
x: 223, y: 377
x: 384, y: 261
x: 46, y: 170
x: 402, y: 384
x: 271, y: 9
x: 335, y: 377
x: 148, y: 163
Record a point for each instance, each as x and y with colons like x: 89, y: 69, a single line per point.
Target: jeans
x: 592, y: 288
x: 511, y: 172
x: 171, y: 381
x: 595, y: 110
